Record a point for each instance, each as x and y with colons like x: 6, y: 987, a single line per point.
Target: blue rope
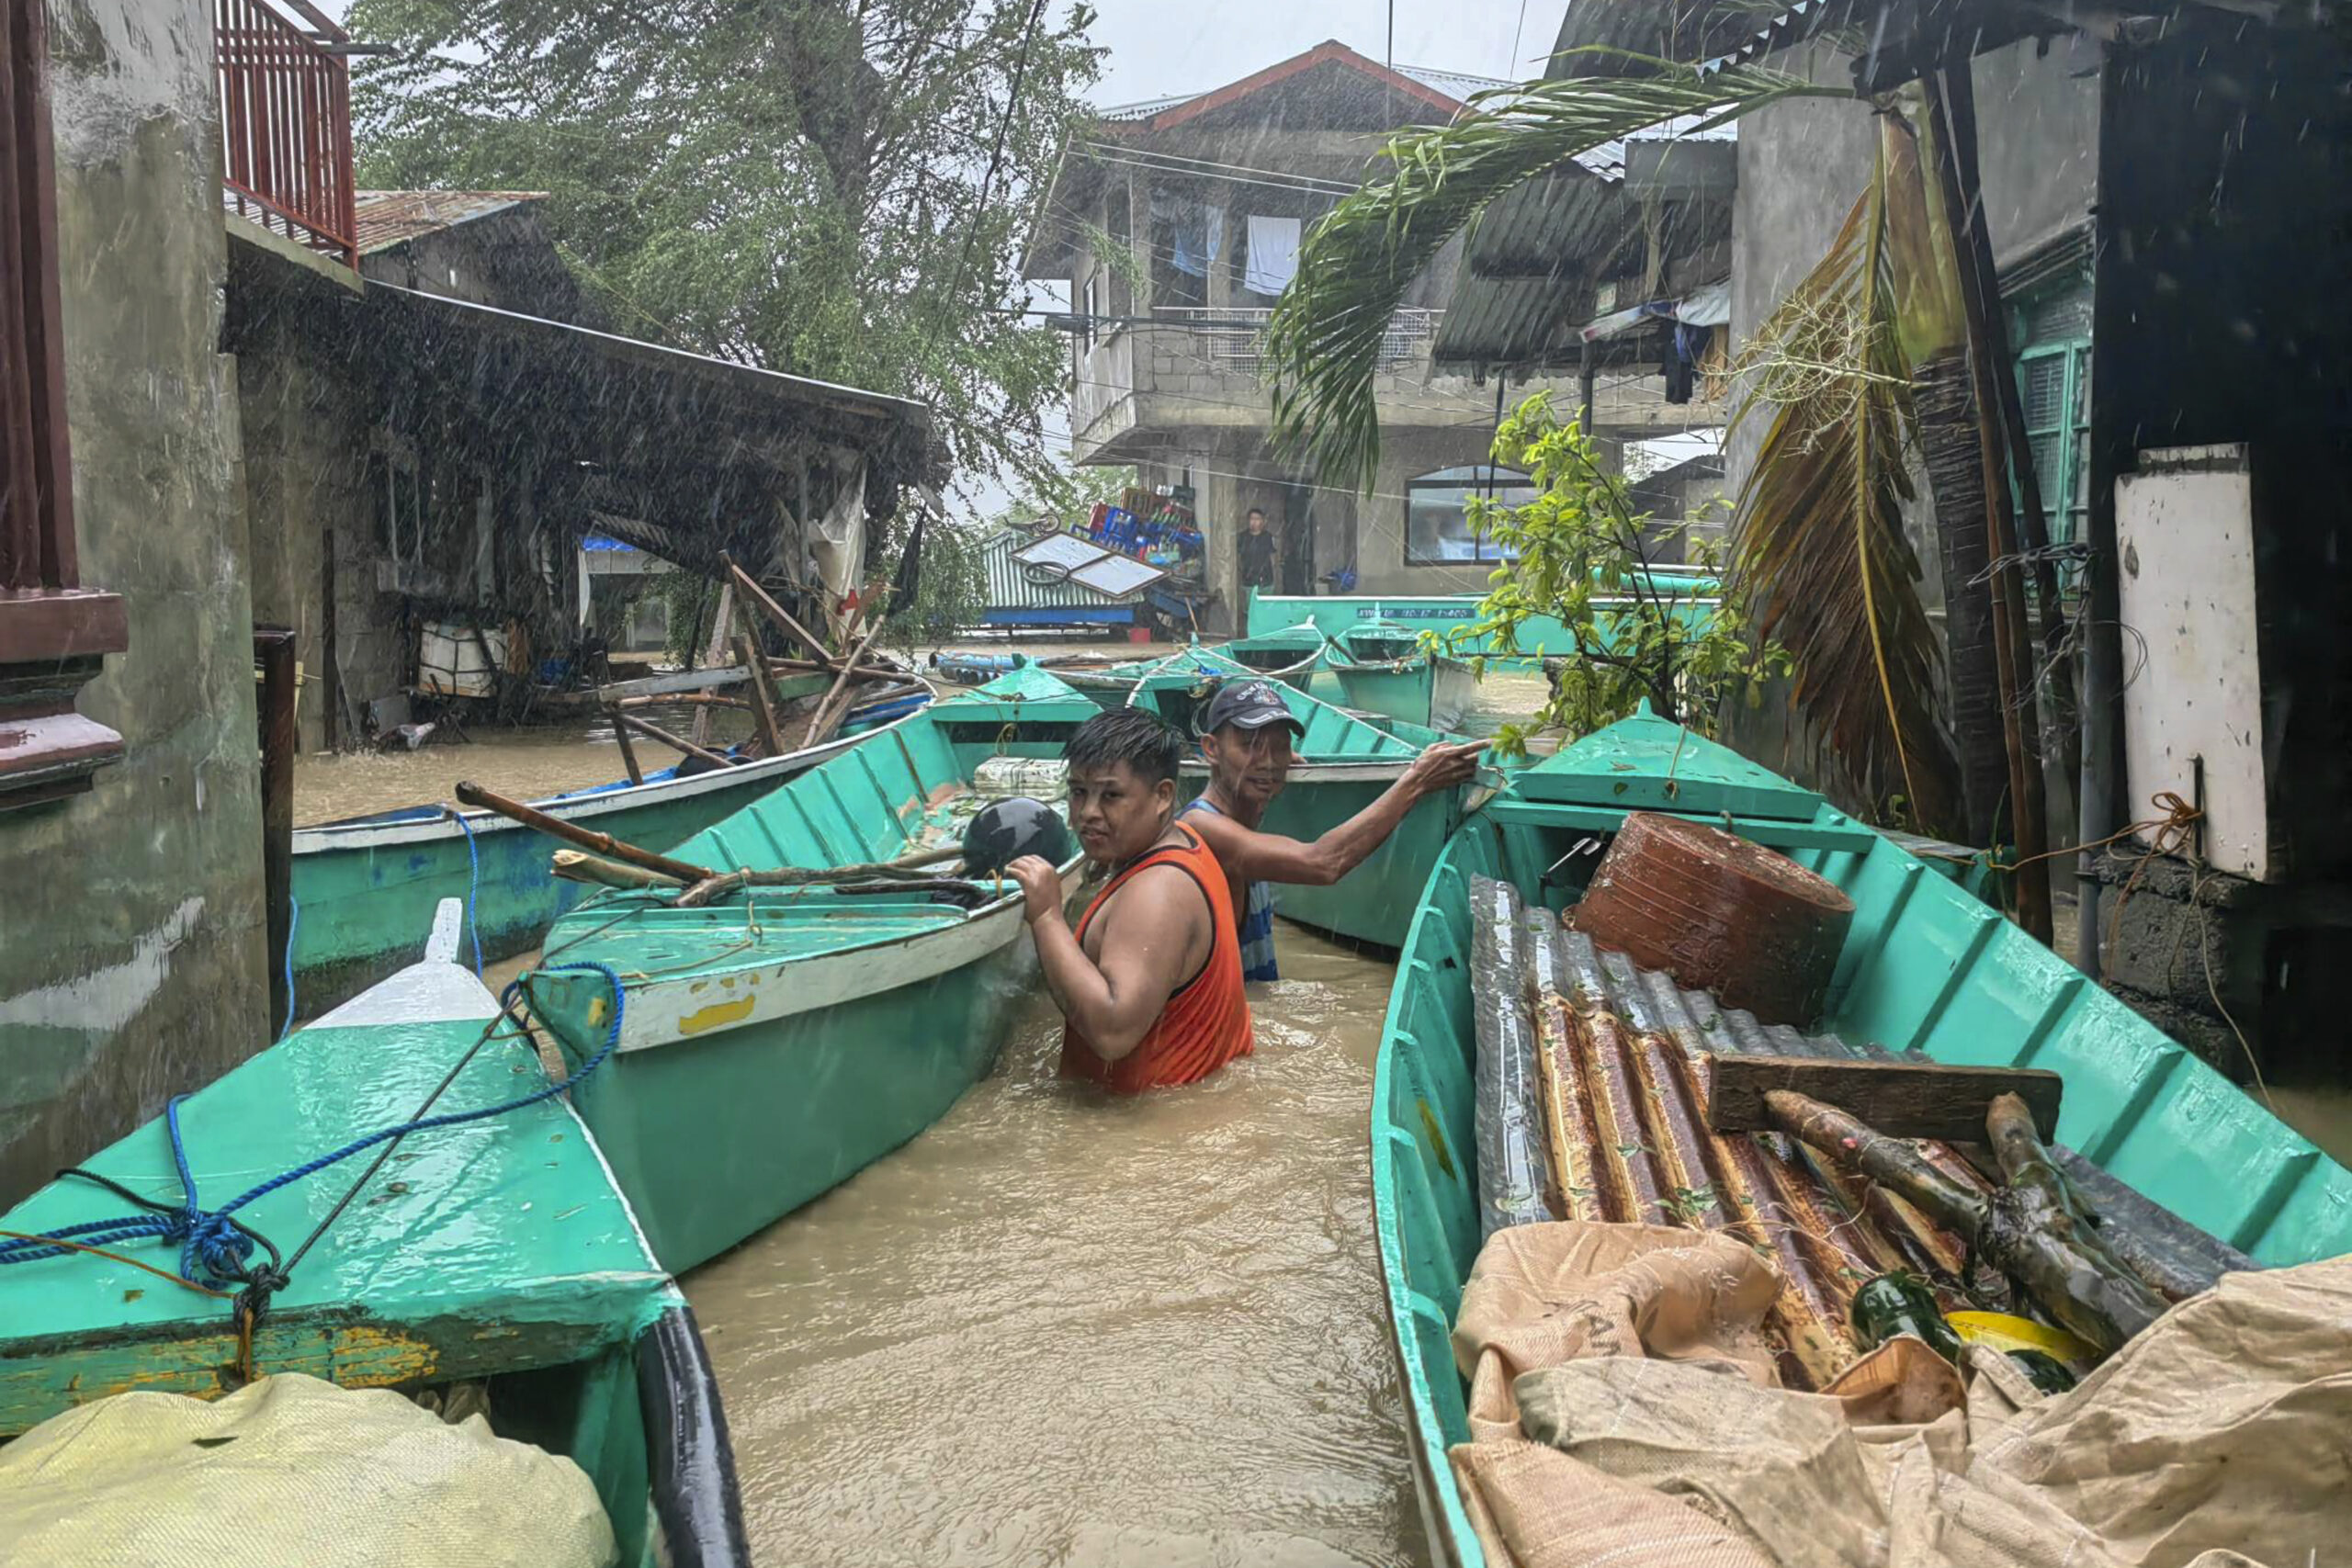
x: 473, y: 884
x: 293, y: 923
x: 207, y: 1238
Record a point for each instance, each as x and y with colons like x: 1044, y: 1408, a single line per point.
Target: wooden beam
x: 1901, y: 1099
x: 679, y: 684
x: 628, y: 751
x: 655, y: 732
x: 762, y: 699
x: 471, y: 793
x: 775, y: 612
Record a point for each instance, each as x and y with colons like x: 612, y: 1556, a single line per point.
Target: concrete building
x: 1175, y: 224
x: 133, y: 958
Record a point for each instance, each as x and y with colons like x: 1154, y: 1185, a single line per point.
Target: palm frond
x: 1819, y: 531
x: 1323, y: 342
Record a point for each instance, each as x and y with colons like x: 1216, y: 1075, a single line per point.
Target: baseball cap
x: 1249, y: 705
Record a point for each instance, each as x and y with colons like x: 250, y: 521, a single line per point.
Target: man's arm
x: 1253, y: 856
x: 1148, y: 932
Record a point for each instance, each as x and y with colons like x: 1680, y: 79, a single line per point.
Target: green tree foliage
x: 834, y: 190
x: 951, y: 589
x: 1067, y: 495
x: 1581, y: 554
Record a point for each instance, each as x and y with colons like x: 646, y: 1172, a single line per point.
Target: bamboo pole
x: 471, y: 793
x: 574, y: 866
x: 906, y: 866
x: 826, y: 719
x: 834, y: 667
x: 652, y: 732
x: 628, y: 751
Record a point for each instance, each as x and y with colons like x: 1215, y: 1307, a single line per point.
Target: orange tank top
x: 1206, y: 1022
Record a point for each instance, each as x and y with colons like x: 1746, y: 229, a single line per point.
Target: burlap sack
x: 1542, y: 1294
x: 2223, y: 1435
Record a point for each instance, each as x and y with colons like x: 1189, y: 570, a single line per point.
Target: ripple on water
x: 1063, y: 1328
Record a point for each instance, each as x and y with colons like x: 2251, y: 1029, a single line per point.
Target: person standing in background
x: 1257, y: 551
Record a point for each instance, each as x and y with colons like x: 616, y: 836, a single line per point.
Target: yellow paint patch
x: 599, y: 1009
x: 717, y: 1015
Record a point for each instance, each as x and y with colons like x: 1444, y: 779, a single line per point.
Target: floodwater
x: 1060, y: 1327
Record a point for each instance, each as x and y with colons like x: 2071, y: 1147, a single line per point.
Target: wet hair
x: 1257, y: 511
x: 1137, y: 737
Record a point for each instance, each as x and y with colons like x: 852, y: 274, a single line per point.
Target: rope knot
x: 210, y: 1242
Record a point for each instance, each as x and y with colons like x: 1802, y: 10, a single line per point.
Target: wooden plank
x: 1902, y: 1099
x: 759, y: 597
x: 762, y: 700
x: 721, y: 628
x: 675, y: 684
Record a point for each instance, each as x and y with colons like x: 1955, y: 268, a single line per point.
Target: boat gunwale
x: 369, y: 833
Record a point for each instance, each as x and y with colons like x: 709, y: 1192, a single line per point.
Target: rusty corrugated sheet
x: 388, y: 217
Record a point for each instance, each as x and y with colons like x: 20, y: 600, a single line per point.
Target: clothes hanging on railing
x: 1274, y: 254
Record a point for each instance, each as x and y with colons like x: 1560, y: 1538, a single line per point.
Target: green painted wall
x: 132, y: 962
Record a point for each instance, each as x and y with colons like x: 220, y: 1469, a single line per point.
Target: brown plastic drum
x: 1720, y: 914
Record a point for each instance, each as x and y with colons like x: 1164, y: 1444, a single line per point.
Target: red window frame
x: 54, y: 633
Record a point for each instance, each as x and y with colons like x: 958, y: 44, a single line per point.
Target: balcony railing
x: 1235, y: 340
x: 286, y: 124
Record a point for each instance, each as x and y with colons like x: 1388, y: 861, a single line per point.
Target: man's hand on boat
x: 1041, y: 885
x: 1442, y: 766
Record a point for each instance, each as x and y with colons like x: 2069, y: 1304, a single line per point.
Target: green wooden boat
x: 364, y: 886
x: 1343, y: 765
x: 1292, y: 654
x: 1925, y: 967
x: 1446, y: 613
x: 775, y: 1044
x: 1381, y: 669
x: 497, y: 1252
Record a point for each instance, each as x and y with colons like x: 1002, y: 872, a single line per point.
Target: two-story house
x: 1176, y: 224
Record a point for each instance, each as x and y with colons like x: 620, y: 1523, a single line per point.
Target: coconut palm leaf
x: 1323, y: 341
x: 1819, y: 530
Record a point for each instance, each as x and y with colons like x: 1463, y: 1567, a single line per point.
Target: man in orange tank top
x: 1149, y: 984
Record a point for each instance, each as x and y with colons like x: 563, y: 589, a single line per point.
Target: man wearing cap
x: 1246, y: 738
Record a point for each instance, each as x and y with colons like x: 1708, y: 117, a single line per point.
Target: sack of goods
x: 290, y: 1473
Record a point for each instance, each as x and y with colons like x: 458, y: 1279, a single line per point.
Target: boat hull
x: 1925, y: 965
x: 363, y: 890
x: 499, y: 1252
x: 1433, y: 693
x: 716, y: 1134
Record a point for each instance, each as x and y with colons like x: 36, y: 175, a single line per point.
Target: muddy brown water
x: 1059, y: 1329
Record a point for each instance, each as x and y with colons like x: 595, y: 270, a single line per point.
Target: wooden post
x: 330, y: 667
x: 628, y: 753
x: 655, y: 732
x: 762, y: 699
x: 274, y: 649
x: 2012, y: 645
x: 720, y: 630
x: 471, y: 793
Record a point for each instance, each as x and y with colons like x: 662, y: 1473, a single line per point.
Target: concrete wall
x: 306, y: 474
x: 133, y: 965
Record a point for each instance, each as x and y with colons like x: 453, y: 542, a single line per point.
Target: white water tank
x: 449, y: 661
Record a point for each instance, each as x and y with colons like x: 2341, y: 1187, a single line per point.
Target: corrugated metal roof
x: 389, y: 217
x: 1013, y: 587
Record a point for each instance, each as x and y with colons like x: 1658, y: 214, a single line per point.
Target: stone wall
x: 133, y: 966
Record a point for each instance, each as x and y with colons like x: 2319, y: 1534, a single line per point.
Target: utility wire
x: 996, y: 153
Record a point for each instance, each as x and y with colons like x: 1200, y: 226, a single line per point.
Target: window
x: 1090, y: 307
x: 53, y: 630
x: 1437, y: 512
x: 2050, y: 331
